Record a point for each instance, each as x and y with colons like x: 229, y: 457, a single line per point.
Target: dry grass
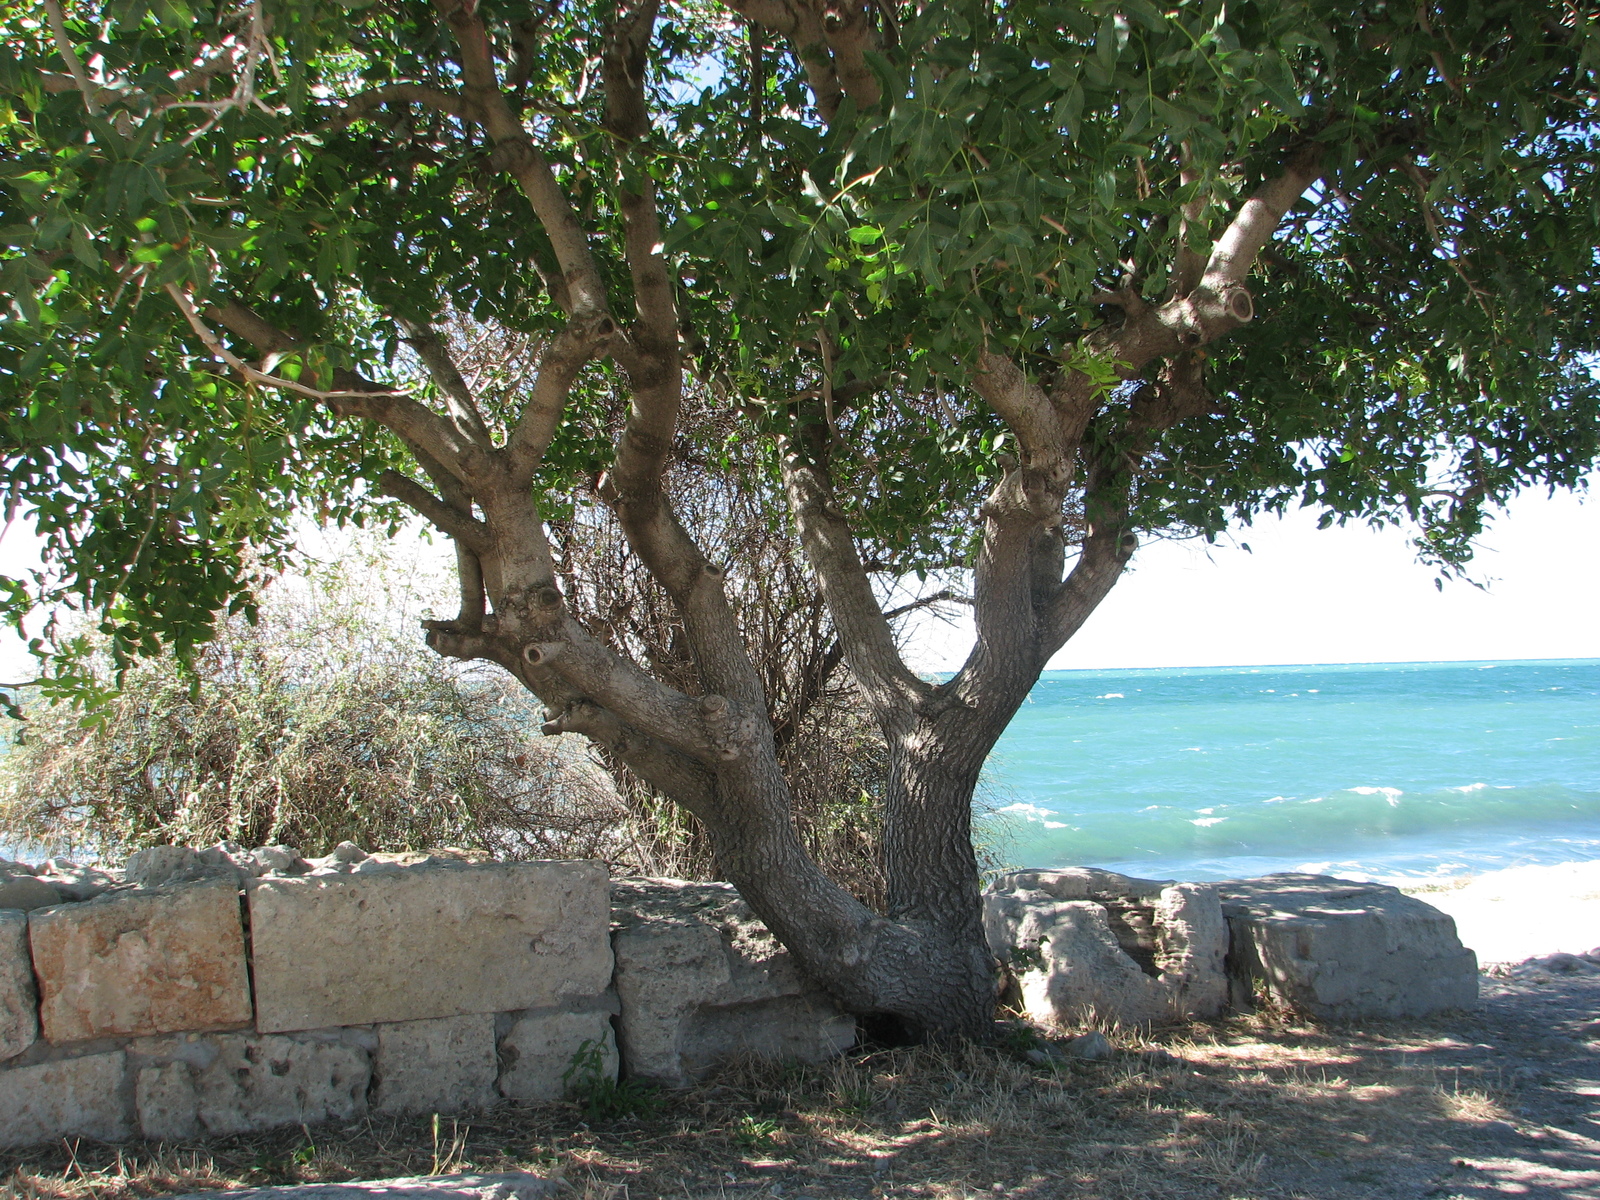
x: 1244, y: 1109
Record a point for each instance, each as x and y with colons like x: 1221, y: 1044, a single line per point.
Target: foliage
x: 602, y: 1096
x: 1423, y: 318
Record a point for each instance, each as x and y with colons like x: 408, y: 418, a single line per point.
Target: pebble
x: 1092, y: 1046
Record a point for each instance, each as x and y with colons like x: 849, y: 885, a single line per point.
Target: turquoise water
x: 1377, y: 769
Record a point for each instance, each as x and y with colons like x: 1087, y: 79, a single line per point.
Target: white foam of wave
x: 1205, y: 822
x: 1112, y: 696
x: 1392, y: 795
x: 1030, y: 812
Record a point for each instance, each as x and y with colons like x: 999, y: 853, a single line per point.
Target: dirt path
x: 1538, y: 1031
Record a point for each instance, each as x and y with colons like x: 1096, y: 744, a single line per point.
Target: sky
x: 1351, y: 594
x: 1299, y: 595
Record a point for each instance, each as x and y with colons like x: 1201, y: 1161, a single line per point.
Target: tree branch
x: 663, y: 768
x: 415, y: 422
x: 254, y: 374
x: 1234, y: 253
x: 69, y: 55
x: 435, y: 356
x: 560, y: 362
x: 869, y: 645
x: 1105, y: 554
x: 516, y: 154
x: 801, y: 22
x: 623, y: 62
x: 364, y: 104
x: 467, y: 530
x: 849, y: 33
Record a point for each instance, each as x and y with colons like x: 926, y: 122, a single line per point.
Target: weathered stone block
x: 1336, y: 949
x: 701, y: 979
x: 134, y: 963
x: 73, y: 1097
x: 19, y: 1020
x: 445, y: 1064
x: 1085, y: 943
x: 25, y: 893
x: 421, y: 942
x: 264, y: 1082
x: 541, y: 1053
x: 166, y: 1103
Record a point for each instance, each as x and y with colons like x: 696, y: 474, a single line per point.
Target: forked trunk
x: 922, y: 969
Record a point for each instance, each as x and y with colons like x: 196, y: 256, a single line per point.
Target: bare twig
x: 254, y: 374
x: 69, y: 55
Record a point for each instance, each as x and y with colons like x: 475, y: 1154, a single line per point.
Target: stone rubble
x: 19, y: 1000
x: 1084, y: 944
x: 457, y: 938
x: 225, y: 990
x: 133, y: 963
x: 145, y: 1003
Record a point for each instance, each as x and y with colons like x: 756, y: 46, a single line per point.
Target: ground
x: 1501, y: 1101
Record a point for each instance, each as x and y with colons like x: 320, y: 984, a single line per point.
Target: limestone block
x: 700, y: 980
x: 27, y: 892
x: 166, y: 1103
x: 1083, y: 943
x: 72, y: 1097
x: 1336, y: 949
x: 263, y: 1082
x: 445, y: 1064
x: 514, y: 1185
x: 75, y: 882
x: 542, y: 1053
x: 19, y: 1019
x: 134, y: 963
x: 439, y: 940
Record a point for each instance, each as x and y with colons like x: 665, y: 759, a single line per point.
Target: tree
x: 991, y: 285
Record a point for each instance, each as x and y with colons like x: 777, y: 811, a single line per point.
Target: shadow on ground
x: 1502, y: 1101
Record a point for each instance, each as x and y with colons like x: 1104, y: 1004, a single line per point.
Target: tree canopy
x: 971, y: 175
x: 980, y: 285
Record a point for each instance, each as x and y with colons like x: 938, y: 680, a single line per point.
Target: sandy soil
x: 1511, y: 915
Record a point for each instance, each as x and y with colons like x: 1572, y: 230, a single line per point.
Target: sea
x: 1411, y: 771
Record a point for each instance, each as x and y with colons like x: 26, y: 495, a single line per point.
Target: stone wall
x: 223, y: 1000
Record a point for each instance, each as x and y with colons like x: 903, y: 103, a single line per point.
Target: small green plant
x: 603, y: 1097
x: 756, y: 1132
x: 1029, y: 958
x: 853, y: 1101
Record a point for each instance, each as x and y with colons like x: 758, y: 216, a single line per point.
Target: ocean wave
x: 1328, y: 827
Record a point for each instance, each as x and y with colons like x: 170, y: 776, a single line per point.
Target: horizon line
x: 1385, y: 662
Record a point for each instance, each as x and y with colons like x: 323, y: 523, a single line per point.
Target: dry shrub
x: 325, y: 721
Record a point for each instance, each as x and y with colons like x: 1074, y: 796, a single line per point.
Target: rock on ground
x: 516, y: 1185
x: 444, y: 1064
x: 1340, y: 950
x: 1084, y: 943
x: 701, y: 980
x: 547, y: 1054
x: 75, y: 1097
